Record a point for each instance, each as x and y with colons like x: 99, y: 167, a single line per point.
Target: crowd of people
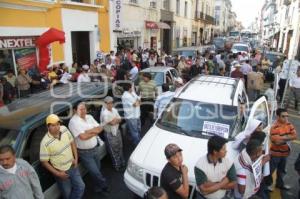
x: 216, y: 175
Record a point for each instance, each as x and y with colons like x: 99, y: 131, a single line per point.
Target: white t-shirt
x: 133, y: 72
x: 128, y: 99
x: 295, y: 82
x: 77, y: 126
x: 83, y: 77
x: 106, y: 117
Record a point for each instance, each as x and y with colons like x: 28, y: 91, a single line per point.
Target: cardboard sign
x: 257, y: 171
x: 213, y: 128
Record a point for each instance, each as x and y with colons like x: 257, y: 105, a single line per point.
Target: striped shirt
x: 58, y: 151
x: 279, y: 130
x: 147, y: 89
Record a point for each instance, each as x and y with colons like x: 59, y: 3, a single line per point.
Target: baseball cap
x: 237, y: 65
x: 108, y: 99
x: 171, y: 149
x: 52, y: 119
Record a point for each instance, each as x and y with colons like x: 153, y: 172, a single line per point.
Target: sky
x: 246, y: 10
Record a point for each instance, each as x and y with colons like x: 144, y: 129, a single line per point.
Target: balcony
x: 199, y: 15
x: 210, y: 19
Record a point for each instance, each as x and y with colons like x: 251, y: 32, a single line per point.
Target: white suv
x: 207, y: 105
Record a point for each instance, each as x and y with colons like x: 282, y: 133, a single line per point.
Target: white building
x: 222, y: 12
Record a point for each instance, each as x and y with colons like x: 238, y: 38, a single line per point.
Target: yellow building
x: 85, y: 23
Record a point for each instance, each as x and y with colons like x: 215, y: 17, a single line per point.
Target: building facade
x: 161, y: 24
x: 26, y: 21
x: 222, y: 15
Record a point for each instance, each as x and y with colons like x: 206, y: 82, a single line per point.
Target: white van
x: 207, y: 105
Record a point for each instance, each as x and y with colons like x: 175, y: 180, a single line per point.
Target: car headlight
x: 135, y: 171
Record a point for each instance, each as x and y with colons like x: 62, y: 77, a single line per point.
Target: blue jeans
x: 76, y: 190
x: 278, y: 163
x: 134, y: 128
x: 90, y: 159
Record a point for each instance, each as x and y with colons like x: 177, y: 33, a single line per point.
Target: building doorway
x: 81, y: 47
x: 167, y: 38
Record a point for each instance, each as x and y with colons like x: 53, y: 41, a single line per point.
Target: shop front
x: 18, y: 52
x: 128, y: 39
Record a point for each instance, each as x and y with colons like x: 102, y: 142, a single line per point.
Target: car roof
x: 193, y: 48
x: 29, y: 110
x: 240, y: 44
x: 274, y: 53
x: 157, y: 69
x: 211, y: 89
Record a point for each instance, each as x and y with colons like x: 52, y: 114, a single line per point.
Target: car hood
x: 149, y: 154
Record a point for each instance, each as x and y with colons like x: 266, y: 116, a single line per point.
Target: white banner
x: 214, y: 128
x: 117, y: 14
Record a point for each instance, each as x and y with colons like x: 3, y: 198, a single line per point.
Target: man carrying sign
x: 249, y: 169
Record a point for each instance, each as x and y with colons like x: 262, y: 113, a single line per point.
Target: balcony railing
x: 207, y: 18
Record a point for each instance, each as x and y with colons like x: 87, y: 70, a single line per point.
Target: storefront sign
x: 117, y: 12
x: 17, y: 42
x: 151, y: 25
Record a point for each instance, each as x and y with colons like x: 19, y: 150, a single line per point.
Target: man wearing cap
x: 85, y: 130
x: 237, y: 72
x: 174, y: 176
x: 214, y: 173
x: 84, y: 76
x: 58, y: 154
x: 111, y: 120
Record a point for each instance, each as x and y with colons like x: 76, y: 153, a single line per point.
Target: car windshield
x: 198, y: 119
x: 158, y: 77
x: 240, y: 48
x: 234, y: 34
x: 8, y: 136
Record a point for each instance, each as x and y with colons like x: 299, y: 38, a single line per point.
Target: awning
x: 156, y: 25
x: 163, y: 25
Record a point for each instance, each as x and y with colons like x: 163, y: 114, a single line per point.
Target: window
x: 133, y: 1
x: 152, y: 4
x: 185, y: 8
x: 166, y: 4
x: 261, y: 114
x: 177, y: 7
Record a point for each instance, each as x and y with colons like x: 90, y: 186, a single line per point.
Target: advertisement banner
x: 26, y: 58
x: 117, y: 14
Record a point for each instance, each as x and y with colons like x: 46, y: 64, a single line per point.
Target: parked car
x: 276, y: 59
x: 191, y: 51
x: 241, y: 47
x: 219, y: 43
x: 188, y: 121
x: 22, y: 123
x: 161, y: 75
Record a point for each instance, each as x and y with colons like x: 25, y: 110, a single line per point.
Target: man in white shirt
x: 131, y: 105
x: 113, y: 138
x: 84, y: 76
x: 162, y: 100
x: 133, y: 71
x: 85, y: 130
x: 295, y: 89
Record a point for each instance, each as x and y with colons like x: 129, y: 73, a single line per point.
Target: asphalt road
x: 120, y: 191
